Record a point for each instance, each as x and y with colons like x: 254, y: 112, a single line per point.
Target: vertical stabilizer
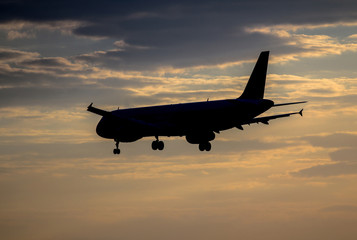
x: 256, y: 84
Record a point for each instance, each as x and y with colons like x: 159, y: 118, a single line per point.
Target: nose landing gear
x: 116, y: 150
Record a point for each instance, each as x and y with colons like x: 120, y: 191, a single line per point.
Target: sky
x: 293, y: 179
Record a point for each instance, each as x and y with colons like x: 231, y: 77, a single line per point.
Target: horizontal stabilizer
x: 283, y: 104
x: 265, y: 120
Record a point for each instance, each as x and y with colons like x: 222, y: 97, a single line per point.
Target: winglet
x: 98, y: 111
x: 301, y: 112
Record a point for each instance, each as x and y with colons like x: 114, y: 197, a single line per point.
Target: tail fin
x: 256, y: 84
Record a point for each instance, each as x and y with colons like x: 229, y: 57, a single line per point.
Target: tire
x: 201, y: 146
x: 160, y: 145
x: 208, y: 146
x: 154, y: 145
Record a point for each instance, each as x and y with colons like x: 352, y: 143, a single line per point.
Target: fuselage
x: 180, y: 119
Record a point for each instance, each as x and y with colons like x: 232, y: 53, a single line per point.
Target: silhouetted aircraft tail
x: 256, y: 84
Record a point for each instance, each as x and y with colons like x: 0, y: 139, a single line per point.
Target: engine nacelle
x: 200, y: 137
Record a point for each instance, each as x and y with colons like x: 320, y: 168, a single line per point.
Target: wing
x: 97, y: 110
x: 265, y: 120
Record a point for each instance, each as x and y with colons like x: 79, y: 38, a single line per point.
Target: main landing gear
x: 157, y: 145
x: 116, y: 150
x: 204, y: 146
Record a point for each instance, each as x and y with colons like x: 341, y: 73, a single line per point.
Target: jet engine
x: 200, y: 137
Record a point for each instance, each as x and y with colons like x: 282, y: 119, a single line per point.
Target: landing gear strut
x: 157, y: 145
x: 205, y: 146
x: 116, y: 150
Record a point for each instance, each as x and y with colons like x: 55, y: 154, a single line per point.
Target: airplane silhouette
x: 198, y: 121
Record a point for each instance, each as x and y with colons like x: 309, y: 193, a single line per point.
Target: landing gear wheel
x: 160, y: 145
x: 157, y: 145
x: 154, y: 145
x: 205, y: 146
x: 208, y: 146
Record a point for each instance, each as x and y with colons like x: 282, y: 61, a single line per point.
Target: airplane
x: 198, y: 122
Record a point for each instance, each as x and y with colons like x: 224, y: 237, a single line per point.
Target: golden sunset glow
x: 293, y: 179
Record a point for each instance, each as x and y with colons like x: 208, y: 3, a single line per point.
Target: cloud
x: 180, y: 28
x: 12, y: 55
x: 121, y: 44
x: 136, y: 176
x: 354, y: 36
x: 54, y: 66
x: 295, y: 41
x: 343, y: 161
x: 345, y: 155
x: 50, y: 25
x: 340, y: 208
x: 178, y: 34
x: 53, y: 74
x: 307, y: 45
x: 30, y: 69
x: 22, y: 29
x: 328, y: 170
x: 16, y: 35
x: 335, y: 140
x: 287, y: 30
x: 32, y: 62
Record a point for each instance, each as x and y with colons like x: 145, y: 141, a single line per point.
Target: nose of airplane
x: 104, y: 128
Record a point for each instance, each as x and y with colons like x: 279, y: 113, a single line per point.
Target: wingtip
x: 90, y: 105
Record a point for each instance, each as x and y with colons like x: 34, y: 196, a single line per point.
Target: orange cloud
x: 313, y: 45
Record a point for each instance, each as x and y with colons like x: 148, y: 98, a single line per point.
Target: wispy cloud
x: 340, y: 208
x: 16, y: 35
x: 28, y: 29
x: 354, y: 36
x: 121, y: 44
x: 310, y: 45
x: 342, y: 156
x: 13, y: 55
